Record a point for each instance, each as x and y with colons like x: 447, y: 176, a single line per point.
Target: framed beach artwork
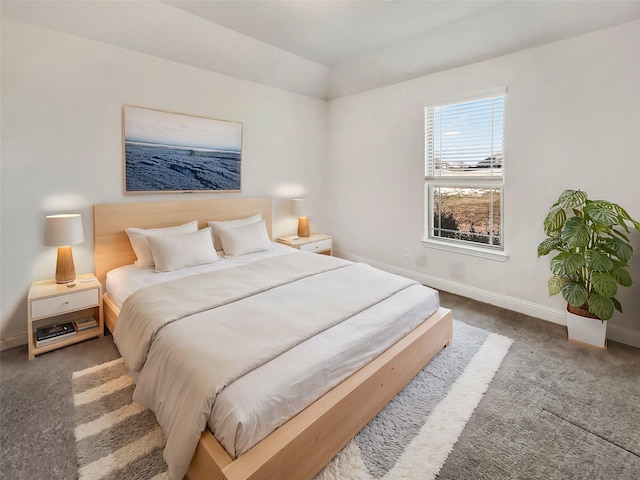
x: 170, y: 152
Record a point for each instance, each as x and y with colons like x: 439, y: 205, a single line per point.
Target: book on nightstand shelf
x: 54, y: 334
x: 86, y: 324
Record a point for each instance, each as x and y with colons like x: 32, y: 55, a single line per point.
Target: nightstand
x: 316, y: 243
x: 51, y: 303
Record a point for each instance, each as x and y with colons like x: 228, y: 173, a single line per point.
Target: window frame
x: 494, y: 252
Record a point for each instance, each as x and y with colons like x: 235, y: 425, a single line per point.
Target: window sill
x: 497, y: 255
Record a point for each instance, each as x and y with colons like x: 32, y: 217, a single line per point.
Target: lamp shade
x: 299, y: 207
x: 63, y: 230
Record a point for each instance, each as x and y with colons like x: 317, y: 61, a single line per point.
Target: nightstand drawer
x: 318, y: 246
x: 64, y: 303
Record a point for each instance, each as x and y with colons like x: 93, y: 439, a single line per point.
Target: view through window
x: 464, y: 164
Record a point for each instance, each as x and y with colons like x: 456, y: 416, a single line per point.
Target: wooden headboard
x: 111, y: 244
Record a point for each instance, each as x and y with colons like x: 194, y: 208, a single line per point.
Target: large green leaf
x: 622, y: 276
x: 601, y: 306
x: 576, y: 232
x: 572, y: 198
x: 566, y: 263
x: 604, y: 284
x: 625, y: 216
x: 575, y: 294
x: 602, y: 213
x: 621, y: 249
x: 555, y: 284
x: 548, y: 245
x: 617, y: 304
x: 598, y: 261
x: 554, y: 221
x: 619, y: 234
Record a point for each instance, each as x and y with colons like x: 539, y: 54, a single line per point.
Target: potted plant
x: 592, y: 260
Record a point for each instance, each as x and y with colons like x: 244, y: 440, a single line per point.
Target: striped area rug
x: 116, y: 438
x: 410, y: 438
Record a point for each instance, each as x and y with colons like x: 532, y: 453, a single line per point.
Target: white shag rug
x: 414, y: 434
x: 411, y: 438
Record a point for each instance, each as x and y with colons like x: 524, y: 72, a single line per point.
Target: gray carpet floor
x: 555, y: 410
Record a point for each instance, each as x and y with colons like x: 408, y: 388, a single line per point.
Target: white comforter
x: 181, y: 338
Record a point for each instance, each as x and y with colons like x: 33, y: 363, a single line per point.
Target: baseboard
x: 623, y: 335
x: 11, y: 342
x: 616, y: 334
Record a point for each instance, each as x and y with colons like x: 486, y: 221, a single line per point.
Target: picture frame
x: 167, y: 152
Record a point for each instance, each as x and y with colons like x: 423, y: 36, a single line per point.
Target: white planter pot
x: 589, y: 331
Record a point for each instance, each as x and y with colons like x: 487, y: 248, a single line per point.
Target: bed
x: 301, y: 446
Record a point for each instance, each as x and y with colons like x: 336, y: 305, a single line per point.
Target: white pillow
x: 216, y: 226
x: 173, y: 252
x: 245, y: 239
x: 138, y: 239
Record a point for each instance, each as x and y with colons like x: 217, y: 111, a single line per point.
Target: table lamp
x: 300, y: 209
x: 62, y: 231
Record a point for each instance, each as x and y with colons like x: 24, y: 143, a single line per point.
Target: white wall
x: 61, y: 148
x: 572, y: 121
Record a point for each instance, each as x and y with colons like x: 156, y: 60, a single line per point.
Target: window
x: 464, y: 166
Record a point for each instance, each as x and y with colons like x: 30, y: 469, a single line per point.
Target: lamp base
x: 65, y: 270
x: 303, y: 227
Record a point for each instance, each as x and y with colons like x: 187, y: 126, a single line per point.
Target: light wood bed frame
x: 303, y: 445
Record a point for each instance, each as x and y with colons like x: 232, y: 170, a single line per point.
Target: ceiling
x: 319, y: 48
x: 330, y: 32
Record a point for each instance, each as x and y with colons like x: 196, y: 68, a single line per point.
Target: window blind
x: 465, y: 138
